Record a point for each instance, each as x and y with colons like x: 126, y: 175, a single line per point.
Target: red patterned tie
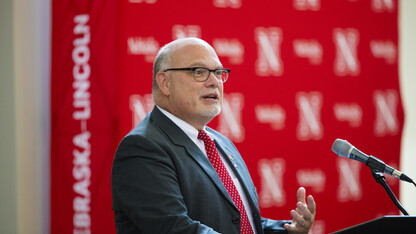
x: 225, y: 177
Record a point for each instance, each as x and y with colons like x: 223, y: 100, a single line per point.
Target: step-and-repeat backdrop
x: 304, y: 72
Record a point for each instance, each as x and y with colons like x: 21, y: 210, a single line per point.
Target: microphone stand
x: 379, y: 177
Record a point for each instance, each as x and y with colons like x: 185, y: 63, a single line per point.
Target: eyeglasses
x: 201, y: 74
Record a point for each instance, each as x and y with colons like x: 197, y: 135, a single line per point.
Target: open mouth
x: 210, y: 96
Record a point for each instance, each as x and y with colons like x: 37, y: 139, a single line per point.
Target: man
x: 170, y: 177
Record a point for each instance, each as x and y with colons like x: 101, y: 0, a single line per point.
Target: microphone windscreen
x: 341, y: 148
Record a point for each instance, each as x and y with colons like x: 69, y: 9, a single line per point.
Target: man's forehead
x: 198, y: 54
x: 193, y: 47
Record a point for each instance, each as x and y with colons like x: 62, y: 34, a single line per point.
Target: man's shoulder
x: 145, y: 134
x: 215, y: 132
x: 219, y: 136
x: 155, y: 126
x: 142, y: 127
x: 147, y: 128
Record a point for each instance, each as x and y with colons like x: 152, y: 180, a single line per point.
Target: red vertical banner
x: 83, y: 102
x: 303, y: 74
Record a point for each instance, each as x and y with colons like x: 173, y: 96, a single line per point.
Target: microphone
x: 344, y: 149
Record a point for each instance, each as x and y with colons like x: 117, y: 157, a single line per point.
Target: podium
x: 386, y: 224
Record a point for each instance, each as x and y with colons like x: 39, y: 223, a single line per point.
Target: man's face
x: 197, y: 103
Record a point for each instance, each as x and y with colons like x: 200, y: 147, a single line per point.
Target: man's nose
x: 212, y: 80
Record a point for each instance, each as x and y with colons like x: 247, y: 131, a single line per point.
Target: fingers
x: 303, y: 210
x: 301, y: 195
x: 298, y: 225
x: 290, y: 227
x: 297, y: 218
x: 304, y: 215
x: 311, y: 204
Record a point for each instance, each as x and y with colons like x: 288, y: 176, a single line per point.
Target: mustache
x: 210, y: 92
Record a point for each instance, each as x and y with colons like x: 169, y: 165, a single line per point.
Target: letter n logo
x: 268, y: 61
x: 140, y: 105
x: 346, y: 61
x: 386, y: 122
x: 310, y: 126
x: 349, y: 180
x: 182, y: 31
x: 271, y: 173
x: 230, y: 119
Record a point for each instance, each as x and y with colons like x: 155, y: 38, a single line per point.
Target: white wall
x: 407, y: 61
x: 31, y: 24
x: 8, y: 201
x: 24, y: 125
x: 24, y: 105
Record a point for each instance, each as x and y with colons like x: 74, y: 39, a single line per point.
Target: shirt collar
x: 189, y: 130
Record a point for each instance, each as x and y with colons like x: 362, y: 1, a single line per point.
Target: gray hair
x: 161, y: 61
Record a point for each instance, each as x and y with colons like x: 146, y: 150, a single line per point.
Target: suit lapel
x: 237, y: 166
x: 179, y: 138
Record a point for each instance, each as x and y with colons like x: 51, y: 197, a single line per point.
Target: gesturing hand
x: 304, y: 215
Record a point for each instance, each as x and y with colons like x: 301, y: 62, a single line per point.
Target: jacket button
x: 236, y: 220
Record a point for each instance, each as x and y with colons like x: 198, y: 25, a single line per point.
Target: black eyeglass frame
x: 193, y: 69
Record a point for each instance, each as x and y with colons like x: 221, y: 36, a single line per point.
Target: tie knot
x: 203, y: 135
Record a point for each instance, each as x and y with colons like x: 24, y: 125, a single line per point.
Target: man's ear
x: 163, y: 81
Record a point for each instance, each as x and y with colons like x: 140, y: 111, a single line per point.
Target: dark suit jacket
x: 163, y: 183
